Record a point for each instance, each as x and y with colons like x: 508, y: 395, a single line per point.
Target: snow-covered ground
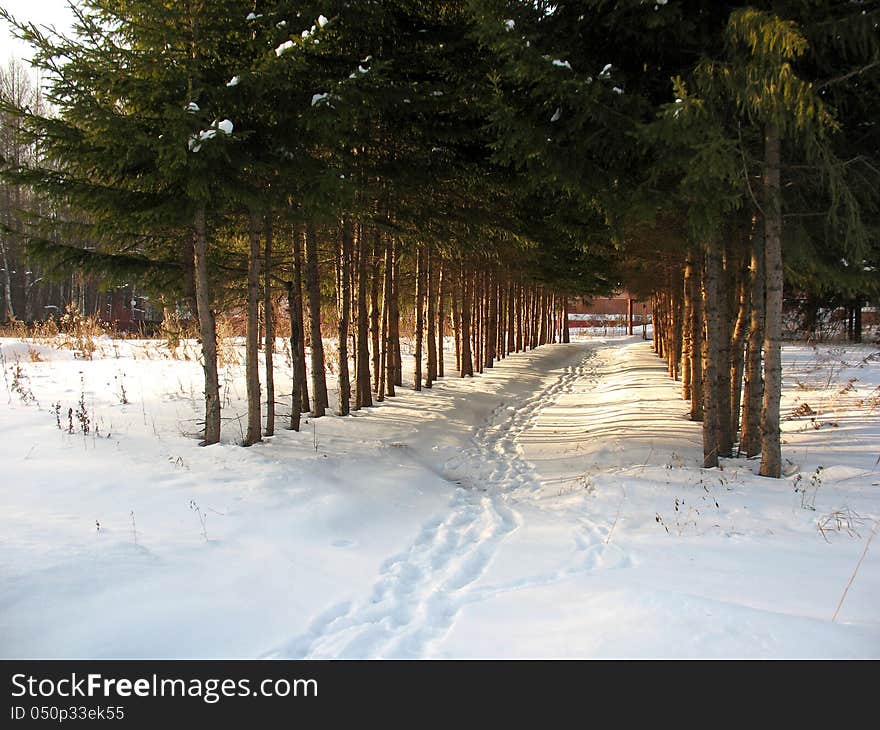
x: 552, y: 507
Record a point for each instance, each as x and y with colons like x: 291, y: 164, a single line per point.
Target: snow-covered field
x: 552, y: 507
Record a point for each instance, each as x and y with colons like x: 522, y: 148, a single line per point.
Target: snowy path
x: 420, y: 591
x: 553, y: 506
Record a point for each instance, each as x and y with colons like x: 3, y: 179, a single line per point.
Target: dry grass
x: 227, y: 347
x: 74, y: 331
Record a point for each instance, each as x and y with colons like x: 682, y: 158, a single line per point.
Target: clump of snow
x: 234, y: 81
x: 509, y: 24
x: 253, y: 16
x: 557, y: 115
x: 321, y: 22
x: 195, y: 141
x: 617, y: 90
x: 605, y: 73
x: 283, y: 48
x: 192, y: 107
x: 320, y: 99
x: 562, y: 64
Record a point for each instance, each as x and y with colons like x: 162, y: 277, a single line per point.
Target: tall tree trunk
x: 7, y: 277
x: 491, y: 319
x: 722, y: 397
x: 7, y: 264
x: 753, y: 388
x: 296, y: 333
x: 386, y: 360
x: 299, y: 355
x: 711, y: 349
x: 419, y: 332
x: 313, y: 289
x: 542, y: 319
x: 771, y: 449
x: 857, y: 320
x: 252, y: 339
x: 431, y: 293
x: 737, y: 342
x: 343, y: 310
x: 687, y: 329
x: 375, y: 312
x: 677, y: 325
x: 511, y: 316
x: 520, y: 308
x: 534, y: 319
x: 270, y: 328
x: 389, y: 311
x: 696, y: 325
x: 655, y: 328
x: 395, y: 321
x: 501, y: 319
x: 478, y: 321
x: 441, y: 315
x: 566, y: 336
x: 363, y: 391
x: 207, y: 328
x: 455, y: 299
x: 467, y: 363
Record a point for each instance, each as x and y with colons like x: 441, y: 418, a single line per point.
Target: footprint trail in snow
x: 421, y: 590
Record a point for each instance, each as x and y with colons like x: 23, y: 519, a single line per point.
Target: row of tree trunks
x: 491, y: 313
x: 709, y: 326
x: 854, y: 320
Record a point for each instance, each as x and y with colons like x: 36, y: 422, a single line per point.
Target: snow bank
x: 553, y: 506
